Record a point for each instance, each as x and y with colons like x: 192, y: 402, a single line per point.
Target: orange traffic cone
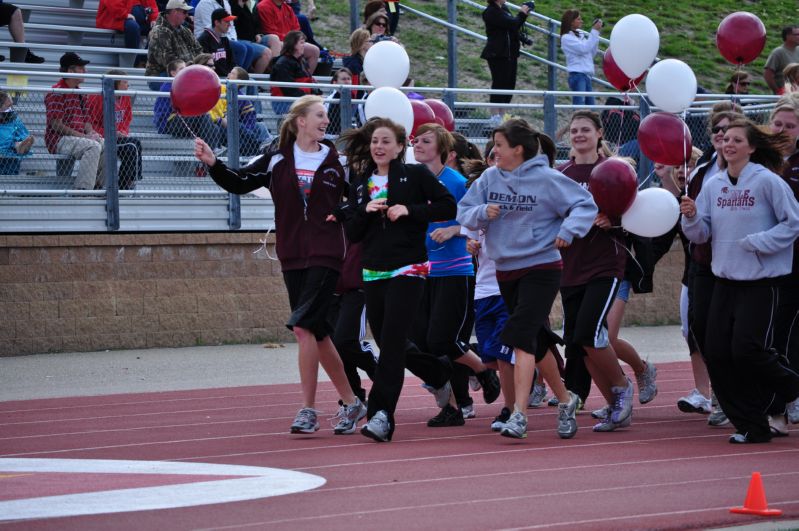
x: 755, y: 502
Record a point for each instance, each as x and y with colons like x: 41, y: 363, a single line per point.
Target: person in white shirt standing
x: 579, y: 47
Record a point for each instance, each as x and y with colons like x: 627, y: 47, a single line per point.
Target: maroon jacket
x: 304, y: 238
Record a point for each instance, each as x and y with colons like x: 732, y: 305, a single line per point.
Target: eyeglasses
x: 718, y: 129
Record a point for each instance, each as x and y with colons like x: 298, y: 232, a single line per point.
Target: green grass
x: 687, y: 32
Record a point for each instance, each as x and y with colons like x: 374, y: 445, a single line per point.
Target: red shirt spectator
x: 111, y: 14
x: 123, y: 112
x: 277, y: 18
x: 69, y: 108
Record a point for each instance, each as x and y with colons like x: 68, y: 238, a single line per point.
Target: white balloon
x: 671, y: 85
x: 386, y: 64
x: 653, y: 213
x: 634, y: 43
x: 388, y: 102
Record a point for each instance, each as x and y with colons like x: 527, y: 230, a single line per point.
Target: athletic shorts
x: 6, y: 10
x: 624, y: 291
x: 529, y: 300
x: 490, y: 315
x: 310, y: 296
x: 585, y: 311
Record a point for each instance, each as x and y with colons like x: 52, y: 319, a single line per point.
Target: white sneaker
x: 468, y: 412
x: 695, y: 402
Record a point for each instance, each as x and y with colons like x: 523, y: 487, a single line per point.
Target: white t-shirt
x: 306, y: 164
x: 486, y: 276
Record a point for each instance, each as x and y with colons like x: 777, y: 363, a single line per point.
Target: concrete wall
x: 62, y: 293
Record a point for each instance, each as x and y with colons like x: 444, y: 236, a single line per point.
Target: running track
x: 668, y: 471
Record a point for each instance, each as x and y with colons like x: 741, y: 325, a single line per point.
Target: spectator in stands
x: 167, y: 122
x: 135, y: 18
x: 69, y: 129
x: 214, y: 41
x: 739, y: 83
x: 304, y: 20
x: 11, y: 16
x: 781, y: 57
x: 378, y: 28
x: 342, y: 76
x: 278, y: 19
x: 15, y: 140
x: 246, y: 53
x: 290, y: 66
x: 170, y: 40
x: 359, y: 45
x: 374, y: 6
x: 252, y: 133
x: 791, y: 77
x: 247, y: 24
x: 579, y: 47
x: 128, y: 148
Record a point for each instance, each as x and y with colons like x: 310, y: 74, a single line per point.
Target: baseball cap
x: 72, y: 59
x: 178, y: 4
x: 221, y: 14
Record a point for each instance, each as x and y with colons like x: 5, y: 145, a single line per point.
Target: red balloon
x: 614, y: 184
x: 664, y: 138
x: 195, y: 90
x: 615, y: 76
x: 741, y: 37
x: 422, y: 114
x: 443, y: 114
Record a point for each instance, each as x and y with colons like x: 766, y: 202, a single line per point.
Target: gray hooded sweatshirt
x: 752, y: 224
x: 537, y: 204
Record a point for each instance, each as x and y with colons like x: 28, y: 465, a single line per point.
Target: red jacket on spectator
x: 277, y: 20
x: 123, y: 111
x: 111, y: 14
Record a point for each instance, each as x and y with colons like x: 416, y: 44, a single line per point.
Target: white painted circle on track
x: 255, y: 483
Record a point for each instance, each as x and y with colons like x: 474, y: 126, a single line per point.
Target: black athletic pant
x: 129, y: 153
x: 745, y: 372
x: 503, y: 76
x: 443, y: 326
x: 348, y: 318
x: 786, y: 329
x: 700, y: 291
x: 388, y: 304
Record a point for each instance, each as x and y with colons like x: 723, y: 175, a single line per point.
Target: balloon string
x: 641, y: 186
x: 186, y: 125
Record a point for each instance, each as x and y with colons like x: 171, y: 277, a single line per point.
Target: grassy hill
x: 687, y: 32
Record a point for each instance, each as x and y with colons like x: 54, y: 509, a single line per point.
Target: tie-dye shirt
x: 378, y: 189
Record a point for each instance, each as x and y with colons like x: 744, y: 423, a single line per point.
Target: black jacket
x: 304, y: 238
x: 219, y: 48
x: 502, y: 32
x: 389, y: 245
x: 247, y: 23
x: 291, y: 69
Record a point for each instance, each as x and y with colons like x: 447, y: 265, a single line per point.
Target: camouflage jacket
x: 168, y: 43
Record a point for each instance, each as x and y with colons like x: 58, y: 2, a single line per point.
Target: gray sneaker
x: 305, y: 421
x: 538, y: 395
x: 647, y: 383
x: 499, y: 421
x: 468, y: 411
x: 717, y: 416
x: 441, y: 394
x: 792, y: 410
x: 622, y: 402
x: 567, y: 417
x: 601, y: 413
x: 606, y: 424
x: 695, y: 402
x: 516, y: 426
x: 378, y: 427
x: 348, y: 417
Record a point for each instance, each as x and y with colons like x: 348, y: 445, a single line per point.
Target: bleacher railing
x: 152, y: 182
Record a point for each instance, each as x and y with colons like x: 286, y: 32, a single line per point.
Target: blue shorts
x: 246, y: 52
x: 624, y: 290
x: 490, y: 315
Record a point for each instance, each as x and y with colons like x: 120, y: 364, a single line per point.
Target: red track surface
x: 669, y: 470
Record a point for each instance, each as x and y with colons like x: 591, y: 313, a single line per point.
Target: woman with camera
x: 502, y: 49
x: 579, y: 48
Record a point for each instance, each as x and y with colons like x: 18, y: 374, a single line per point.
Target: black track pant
x: 348, y: 319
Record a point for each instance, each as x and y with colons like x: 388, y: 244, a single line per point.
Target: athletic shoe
x: 717, y: 416
x: 647, y: 383
x: 695, y: 402
x: 538, y: 395
x: 305, y: 421
x: 567, y: 417
x: 778, y: 425
x: 448, y: 416
x: 601, y: 413
x: 468, y: 411
x: 792, y: 410
x: 31, y: 57
x: 490, y: 382
x: 348, y: 417
x: 499, y: 421
x: 516, y: 426
x: 622, y: 402
x: 442, y: 394
x: 378, y: 427
x: 745, y: 438
x: 552, y: 402
x: 474, y: 383
x: 606, y: 424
